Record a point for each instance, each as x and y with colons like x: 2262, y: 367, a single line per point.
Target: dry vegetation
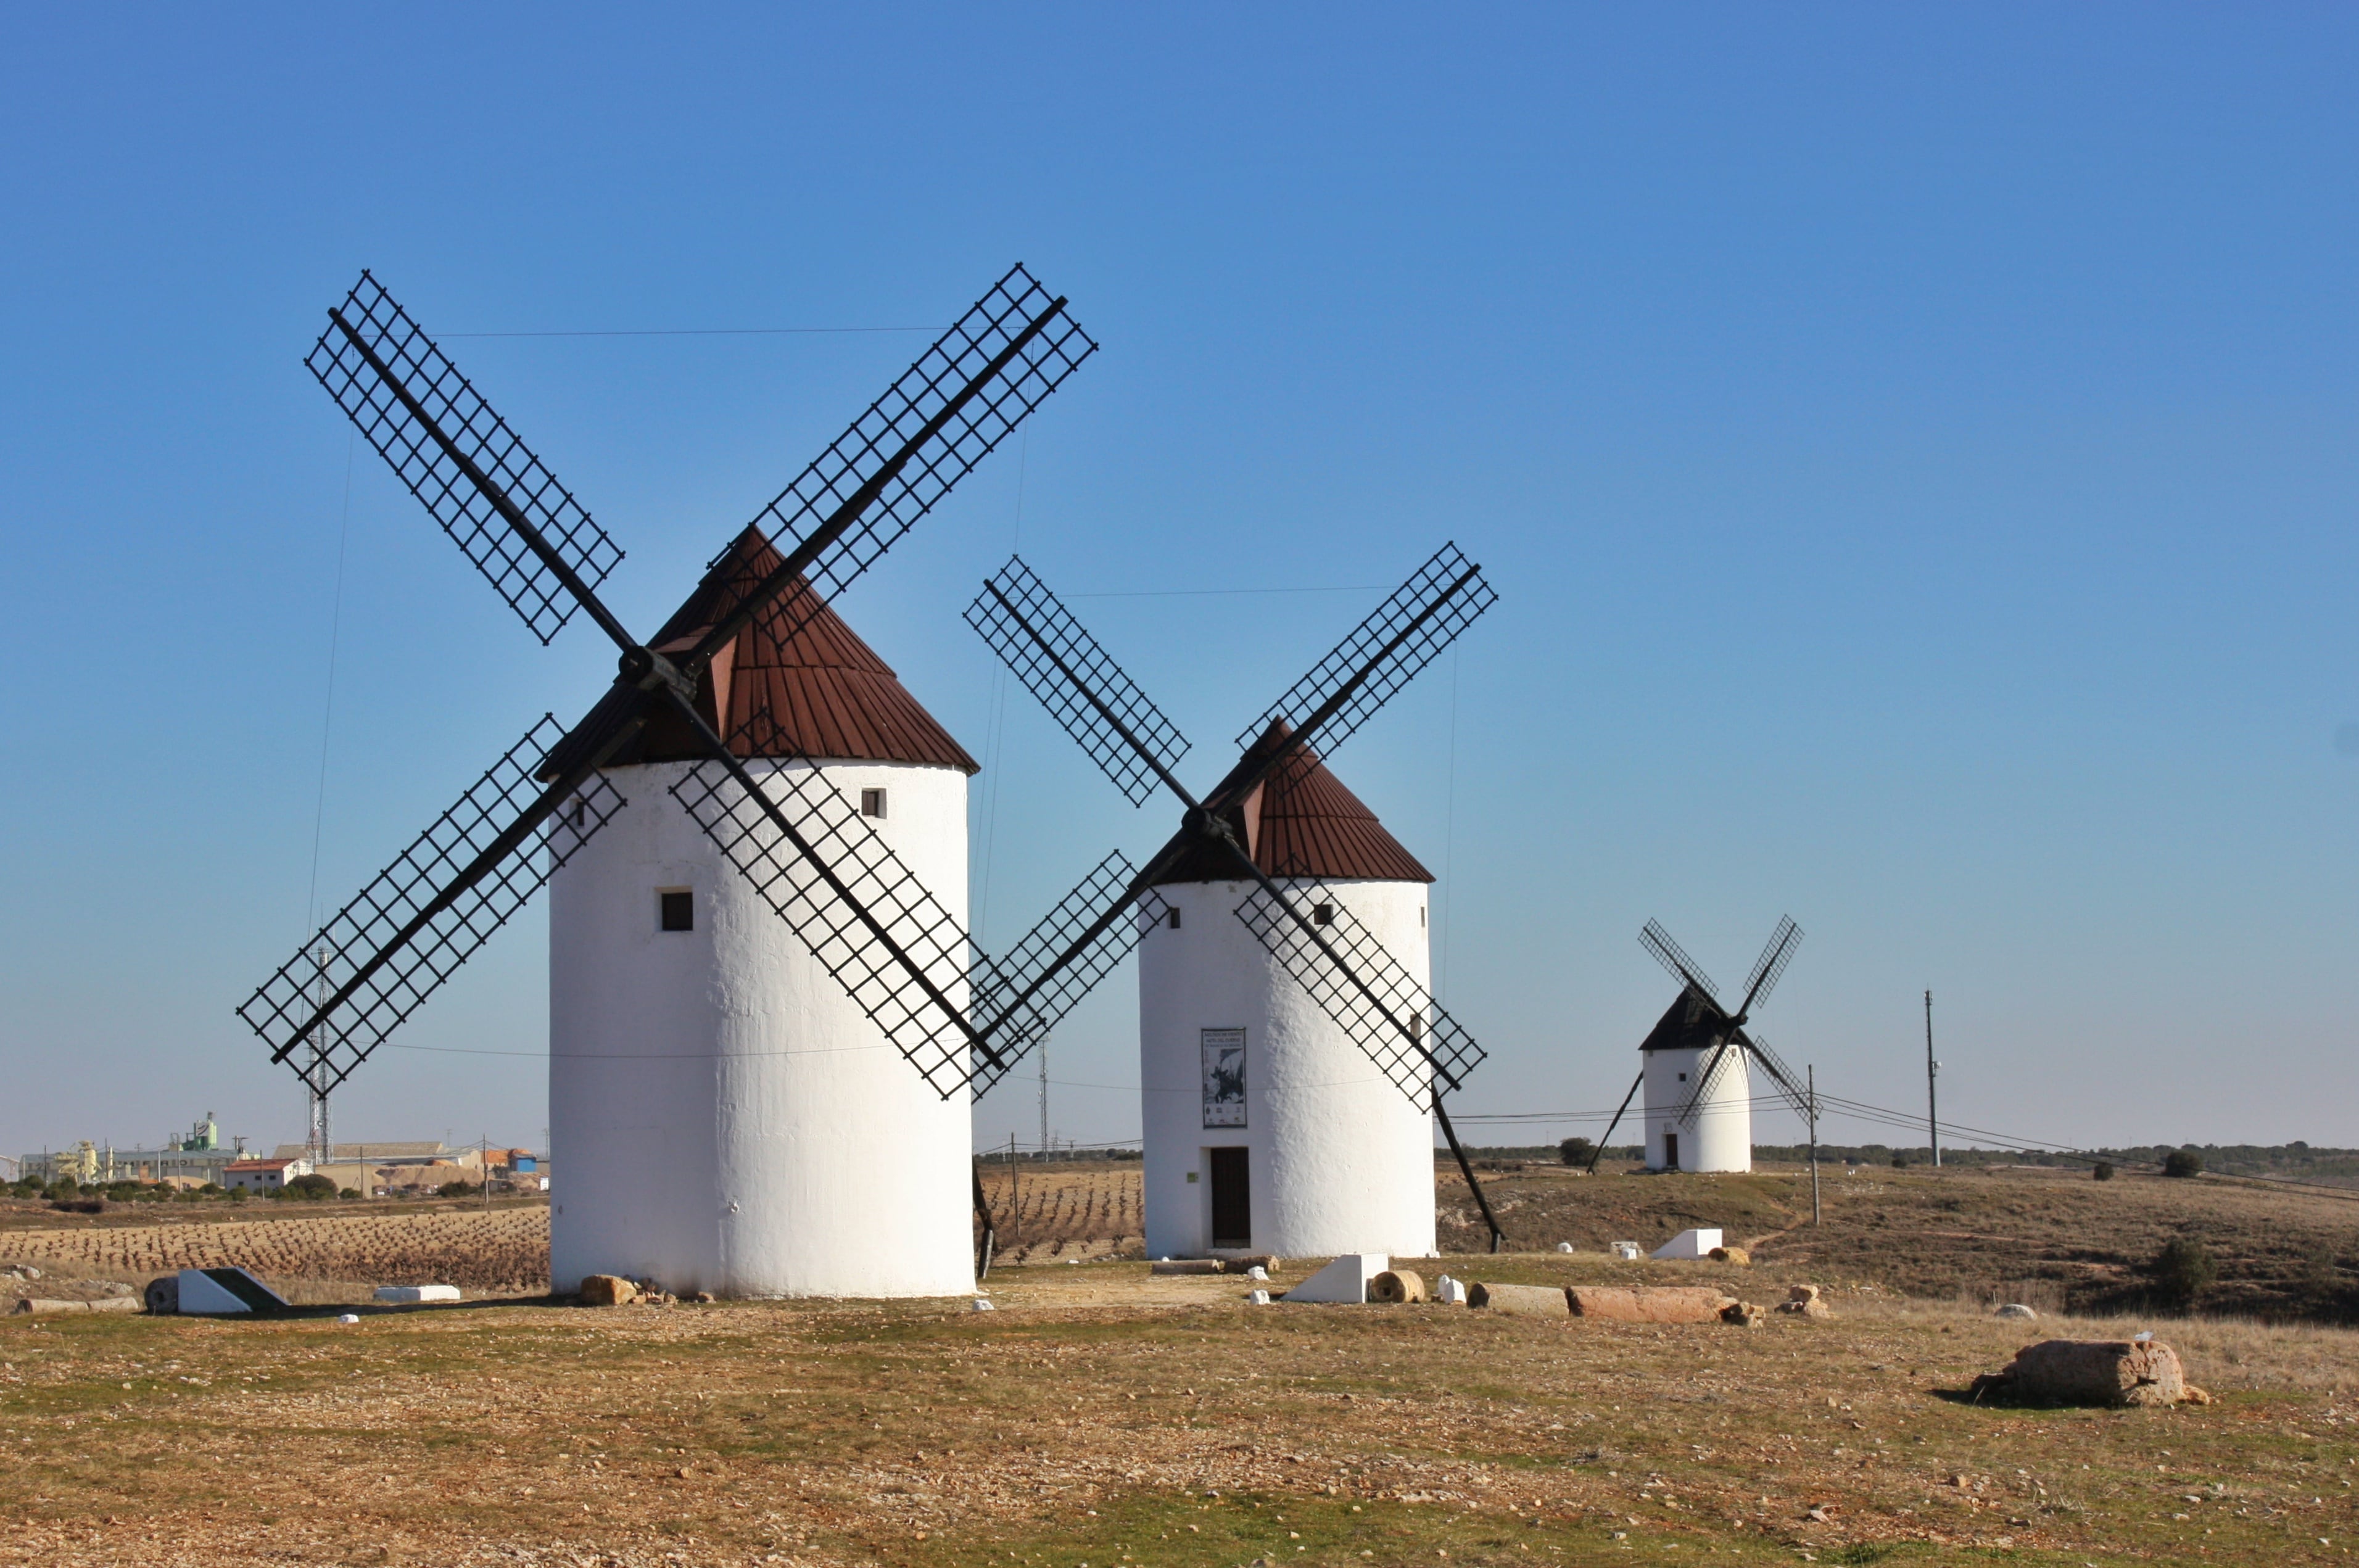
x: 505, y: 1248
x: 1084, y: 1209
x: 2054, y: 1239
x: 1107, y: 1417
x: 1094, y: 1417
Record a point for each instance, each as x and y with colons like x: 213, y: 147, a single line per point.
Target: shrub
x: 312, y: 1188
x: 1900, y: 1162
x: 1573, y: 1151
x: 459, y: 1189
x: 2182, y: 1162
x: 237, y: 1194
x: 349, y: 1193
x: 2183, y: 1271
x: 2103, y: 1172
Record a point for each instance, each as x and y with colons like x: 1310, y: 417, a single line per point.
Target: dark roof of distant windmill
x: 828, y: 695
x: 1301, y: 822
x: 1691, y: 1023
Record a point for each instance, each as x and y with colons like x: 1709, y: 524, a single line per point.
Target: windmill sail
x: 458, y: 456
x: 426, y: 914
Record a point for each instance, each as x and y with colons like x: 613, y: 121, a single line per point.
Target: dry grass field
x: 505, y: 1248
x: 1105, y: 1417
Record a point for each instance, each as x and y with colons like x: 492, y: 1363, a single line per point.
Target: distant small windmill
x: 716, y: 1081
x: 1695, y: 1062
x: 1334, y: 1160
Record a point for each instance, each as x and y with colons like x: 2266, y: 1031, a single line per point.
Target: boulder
x: 1648, y: 1304
x: 1743, y: 1315
x: 1450, y: 1293
x: 1396, y: 1287
x: 2016, y: 1309
x: 1520, y: 1301
x: 2111, y: 1373
x: 1627, y: 1251
x: 1735, y: 1255
x: 1189, y: 1266
x: 607, y: 1291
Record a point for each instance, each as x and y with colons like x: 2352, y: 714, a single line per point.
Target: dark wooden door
x: 1232, y: 1199
x: 1670, y: 1152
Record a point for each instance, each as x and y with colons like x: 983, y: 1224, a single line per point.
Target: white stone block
x: 1627, y: 1251
x: 1344, y: 1280
x: 1448, y: 1292
x: 1689, y: 1244
x: 418, y: 1292
x: 226, y: 1291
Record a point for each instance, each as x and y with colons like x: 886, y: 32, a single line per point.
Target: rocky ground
x: 1104, y: 1416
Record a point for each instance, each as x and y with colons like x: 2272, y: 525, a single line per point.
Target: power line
x: 693, y: 332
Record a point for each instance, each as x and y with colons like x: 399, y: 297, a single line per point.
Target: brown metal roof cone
x: 828, y: 696
x: 1301, y: 822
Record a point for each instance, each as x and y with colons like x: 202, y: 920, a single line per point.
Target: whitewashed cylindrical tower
x: 1267, y: 1128
x: 723, y: 1116
x: 1718, y: 1134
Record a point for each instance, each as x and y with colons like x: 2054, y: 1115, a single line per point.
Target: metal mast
x: 1932, y: 1072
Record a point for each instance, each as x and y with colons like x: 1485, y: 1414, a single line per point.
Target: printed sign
x: 1224, y: 1077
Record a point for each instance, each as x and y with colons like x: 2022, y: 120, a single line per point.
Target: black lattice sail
x: 1383, y: 653
x: 863, y: 456
x: 1363, y: 988
x: 394, y: 930
x: 1020, y: 998
x: 870, y: 922
x: 429, y: 424
x: 1083, y: 689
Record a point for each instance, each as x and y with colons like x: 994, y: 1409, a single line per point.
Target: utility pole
x: 1043, y: 1099
x: 1015, y: 1196
x: 1932, y: 1072
x: 1814, y: 1143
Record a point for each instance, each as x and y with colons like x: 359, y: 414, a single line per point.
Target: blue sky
x: 1914, y: 450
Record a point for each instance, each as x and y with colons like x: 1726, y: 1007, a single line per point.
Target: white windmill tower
x: 1292, y: 1056
x: 1267, y: 1128
x: 1696, y: 1063
x: 761, y: 1033
x: 733, y: 1120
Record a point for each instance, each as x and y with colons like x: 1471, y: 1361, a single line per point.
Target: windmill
x: 1696, y: 1063
x: 699, y: 738
x: 1284, y: 908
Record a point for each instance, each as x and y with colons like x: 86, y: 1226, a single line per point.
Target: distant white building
x: 263, y: 1175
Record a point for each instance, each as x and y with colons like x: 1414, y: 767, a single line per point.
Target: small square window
x: 581, y: 810
x: 1683, y: 1077
x: 1323, y: 914
x: 678, y: 909
x: 872, y: 803
x: 1172, y: 919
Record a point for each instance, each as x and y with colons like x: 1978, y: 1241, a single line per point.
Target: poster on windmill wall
x: 1224, y: 1077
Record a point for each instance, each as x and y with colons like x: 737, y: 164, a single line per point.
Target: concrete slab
x: 1344, y: 1280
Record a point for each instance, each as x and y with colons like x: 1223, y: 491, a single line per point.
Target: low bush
x: 1574, y: 1150
x: 2103, y: 1172
x: 2182, y: 1162
x: 2181, y: 1271
x: 312, y: 1188
x: 459, y: 1189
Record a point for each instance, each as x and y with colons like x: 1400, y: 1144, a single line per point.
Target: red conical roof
x: 828, y: 695
x: 1301, y: 822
